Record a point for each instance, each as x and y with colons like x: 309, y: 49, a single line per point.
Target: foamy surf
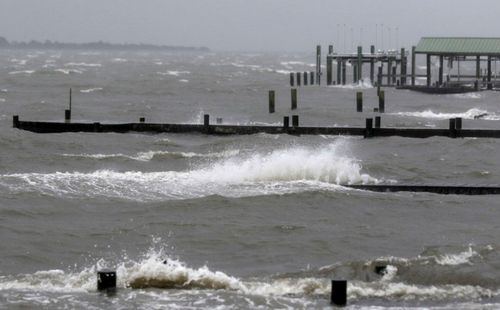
x: 90, y: 90
x: 473, y: 113
x: 157, y: 269
x: 363, y: 84
x: 281, y: 171
x: 150, y: 155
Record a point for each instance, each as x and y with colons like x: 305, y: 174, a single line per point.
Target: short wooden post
x: 106, y: 280
x: 219, y: 121
x: 369, y: 128
x: 305, y: 79
x: 206, y: 121
x: 452, y: 128
x: 311, y: 77
x: 458, y: 123
x: 377, y: 121
x: 286, y: 121
x: 329, y: 66
x: 292, y: 79
x: 381, y: 101
x: 339, y: 293
x: 355, y: 73
x: 295, y: 120
x: 298, y: 78
x: 271, y: 101
x: 294, y: 98
x: 15, y: 121
x: 67, y: 115
x: 142, y: 119
x: 359, y: 101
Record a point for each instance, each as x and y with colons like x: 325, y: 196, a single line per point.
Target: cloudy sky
x: 251, y: 25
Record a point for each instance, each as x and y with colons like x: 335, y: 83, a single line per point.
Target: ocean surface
x: 190, y: 221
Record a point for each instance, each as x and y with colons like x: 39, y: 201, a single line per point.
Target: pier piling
x: 292, y: 79
x: 293, y: 92
x: 377, y: 121
x: 142, y: 119
x: 311, y: 76
x: 15, y: 121
x: 295, y: 120
x: 305, y: 79
x: 106, y: 280
x: 339, y: 293
x: 286, y: 122
x: 298, y: 78
x: 369, y: 128
x: 271, y: 101
x: 381, y: 101
x: 452, y: 128
x: 359, y: 101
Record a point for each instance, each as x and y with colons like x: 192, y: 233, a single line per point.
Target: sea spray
x: 287, y: 170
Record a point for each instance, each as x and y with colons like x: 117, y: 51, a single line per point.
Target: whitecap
x: 68, y: 71
x: 473, y: 113
x: 82, y: 64
x: 28, y: 72
x: 90, y: 90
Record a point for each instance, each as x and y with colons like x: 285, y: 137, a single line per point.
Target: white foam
x: 82, y: 64
x: 457, y: 259
x: 119, y: 60
x: 28, y: 72
x: 20, y: 62
x: 287, y: 72
x: 173, y: 73
x: 282, y: 171
x: 469, y: 114
x: 363, y: 84
x: 184, y: 81
x: 4, y: 90
x: 68, y: 71
x: 90, y: 90
x: 149, y: 155
x: 240, y: 65
x: 2, y: 99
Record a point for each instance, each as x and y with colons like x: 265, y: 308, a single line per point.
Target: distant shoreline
x: 100, y: 45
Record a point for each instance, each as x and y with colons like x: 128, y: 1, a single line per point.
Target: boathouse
x: 457, y: 50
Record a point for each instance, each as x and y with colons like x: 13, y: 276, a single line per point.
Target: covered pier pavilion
x: 457, y: 50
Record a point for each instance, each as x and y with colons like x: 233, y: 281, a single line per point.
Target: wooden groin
x: 454, y: 131
x: 436, y: 189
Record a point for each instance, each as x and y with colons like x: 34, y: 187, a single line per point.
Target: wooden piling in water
x: 413, y: 65
x: 339, y: 71
x: 377, y: 121
x: 389, y: 70
x: 329, y: 66
x: 271, y: 101
x: 67, y: 113
x: 292, y: 79
x: 293, y: 94
x: 206, y: 121
x: 305, y: 79
x: 343, y: 72
x: 441, y: 65
x: 295, y: 120
x: 428, y: 74
x: 403, y: 67
x: 15, y: 121
x: 394, y: 74
x: 359, y: 65
x: 359, y: 101
x: 298, y: 78
x: 381, y: 101
x: 452, y: 128
x: 354, y: 73
x: 338, y: 295
x: 142, y: 120
x: 379, y: 80
x: 318, y: 64
x: 372, y: 65
x: 311, y: 77
x: 369, y: 128
x: 286, y: 122
x: 489, y: 85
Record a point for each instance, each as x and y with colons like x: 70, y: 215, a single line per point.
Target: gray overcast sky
x: 253, y: 25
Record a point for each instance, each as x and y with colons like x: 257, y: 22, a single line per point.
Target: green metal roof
x: 459, y: 46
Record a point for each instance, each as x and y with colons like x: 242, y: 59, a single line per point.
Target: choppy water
x: 194, y: 221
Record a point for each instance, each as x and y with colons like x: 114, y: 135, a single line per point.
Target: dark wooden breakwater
x: 454, y: 131
x: 436, y: 189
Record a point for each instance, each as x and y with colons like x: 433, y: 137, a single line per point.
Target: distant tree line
x: 100, y: 45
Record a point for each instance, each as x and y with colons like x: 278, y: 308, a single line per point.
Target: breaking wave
x: 473, y: 113
x: 280, y: 171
